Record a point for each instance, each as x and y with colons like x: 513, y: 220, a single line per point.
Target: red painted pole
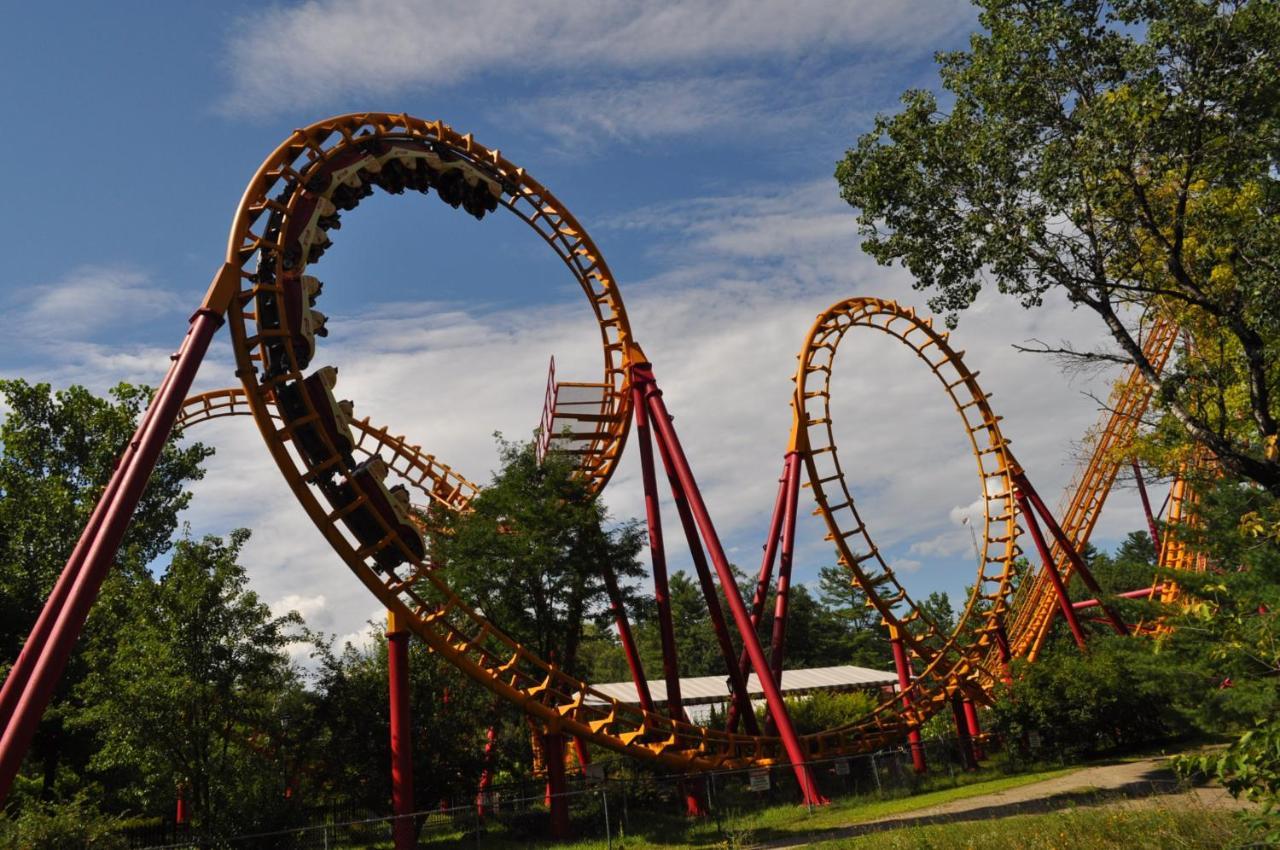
x: 1021, y: 483
x: 742, y: 619
x: 583, y: 754
x: 975, y: 730
x: 627, y: 639
x: 1006, y: 655
x: 737, y: 681
x: 777, y: 646
x: 180, y: 812
x: 1064, y: 601
x: 557, y: 796
x: 905, y: 674
x: 657, y: 557
x: 486, y: 775
x: 967, y: 757
x: 1142, y: 593
x: 1152, y: 526
x: 762, y: 581
x: 401, y: 734
x: 128, y: 484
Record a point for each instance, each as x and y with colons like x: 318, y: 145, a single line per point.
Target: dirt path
x: 1126, y: 784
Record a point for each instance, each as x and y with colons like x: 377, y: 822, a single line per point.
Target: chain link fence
x: 608, y: 802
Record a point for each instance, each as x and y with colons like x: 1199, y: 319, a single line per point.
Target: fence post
x: 604, y: 798
x: 875, y: 773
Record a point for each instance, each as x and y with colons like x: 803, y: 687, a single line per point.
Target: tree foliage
x: 1123, y: 154
x: 531, y: 551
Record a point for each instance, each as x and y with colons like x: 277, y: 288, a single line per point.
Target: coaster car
x: 318, y: 438
x: 390, y: 505
x: 299, y: 320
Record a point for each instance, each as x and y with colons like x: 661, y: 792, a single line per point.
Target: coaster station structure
x: 359, y: 483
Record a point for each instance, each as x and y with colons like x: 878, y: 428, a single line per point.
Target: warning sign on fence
x: 842, y: 767
x: 760, y: 780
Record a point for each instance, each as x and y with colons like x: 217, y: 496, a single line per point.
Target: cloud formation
x: 305, y: 54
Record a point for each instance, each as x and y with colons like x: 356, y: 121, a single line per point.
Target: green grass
x: 1133, y: 827
x: 785, y: 822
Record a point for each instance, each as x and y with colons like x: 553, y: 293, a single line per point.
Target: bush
x: 1119, y: 694
x: 73, y: 825
x: 823, y: 710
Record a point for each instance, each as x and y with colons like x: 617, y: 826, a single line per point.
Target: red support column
x: 1022, y: 484
x: 737, y: 681
x: 583, y: 754
x: 1064, y: 601
x: 661, y: 591
x: 903, y: 665
x: 1006, y: 655
x: 401, y: 734
x: 628, y: 641
x: 777, y: 645
x: 557, y: 791
x: 180, y: 812
x: 975, y: 730
x: 773, y: 695
x: 657, y: 556
x: 762, y: 581
x: 967, y: 757
x: 66, y: 615
x: 486, y: 775
x: 1152, y: 526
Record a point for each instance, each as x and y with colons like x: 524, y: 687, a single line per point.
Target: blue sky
x: 695, y: 141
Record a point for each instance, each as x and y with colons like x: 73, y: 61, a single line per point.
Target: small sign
x: 760, y: 780
x: 842, y: 767
x: 594, y: 773
x: 1033, y: 740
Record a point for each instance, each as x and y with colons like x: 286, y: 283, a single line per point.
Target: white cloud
x: 633, y: 113
x: 308, y: 53
x: 93, y: 299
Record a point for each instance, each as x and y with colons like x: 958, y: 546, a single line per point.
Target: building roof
x: 696, y: 690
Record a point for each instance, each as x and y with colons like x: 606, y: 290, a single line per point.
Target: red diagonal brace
x: 665, y: 432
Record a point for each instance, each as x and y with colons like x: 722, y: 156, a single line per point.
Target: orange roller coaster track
x: 340, y: 468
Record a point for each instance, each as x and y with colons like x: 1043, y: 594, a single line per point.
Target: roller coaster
x: 369, y: 492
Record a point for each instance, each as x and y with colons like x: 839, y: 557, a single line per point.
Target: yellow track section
x: 948, y: 660
x: 1036, y: 601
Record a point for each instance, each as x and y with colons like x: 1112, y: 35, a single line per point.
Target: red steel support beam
x: 967, y: 755
x: 905, y: 674
x: 1006, y: 655
x: 761, y: 594
x: 68, y: 614
x: 486, y: 775
x: 402, y: 807
x: 628, y: 641
x: 1022, y: 484
x: 557, y: 791
x: 742, y: 619
x: 1141, y: 593
x: 777, y: 646
x: 657, y: 555
x: 737, y: 681
x: 975, y: 730
x: 1064, y: 601
x: 1152, y: 525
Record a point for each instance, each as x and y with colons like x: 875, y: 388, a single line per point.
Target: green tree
x: 196, y: 690
x: 1121, y: 153
x: 349, y: 727
x: 531, y: 551
x: 864, y: 641
x: 58, y: 453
